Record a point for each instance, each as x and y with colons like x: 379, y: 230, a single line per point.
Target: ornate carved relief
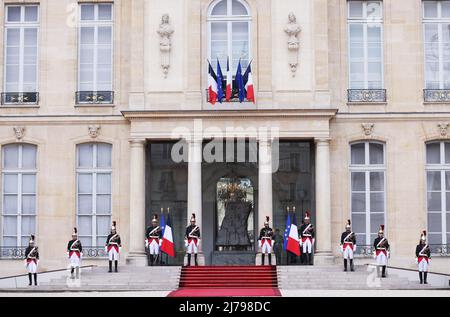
x: 165, y: 31
x: 94, y: 131
x: 19, y: 132
x: 443, y: 129
x: 368, y: 128
x: 292, y: 29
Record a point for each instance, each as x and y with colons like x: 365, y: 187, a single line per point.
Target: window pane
x: 430, y: 9
x: 10, y: 226
x: 219, y: 41
x: 87, y: 12
x: 29, y: 204
x: 220, y: 8
x: 105, y: 35
x: 358, y: 153
x: 103, y: 183
x: 86, y: 242
x: 376, y: 153
x: 31, y: 14
x: 105, y: 12
x: 358, y: 202
x: 433, y: 153
x: 377, y: 181
x: 10, y: 204
x: 85, y: 183
x: 445, y: 9
x: 434, y: 238
x: 374, y: 9
x: 11, y: 156
x: 10, y: 241
x: 85, y: 204
x: 434, y: 222
x: 359, y: 223
x: 103, y: 204
x: 28, y: 184
x: 434, y: 201
x: 28, y: 156
x: 87, y: 35
x: 447, y: 152
x: 14, y: 14
x: 239, y: 8
x: 448, y: 222
x: 434, y: 180
x: 85, y: 155
x: 103, y: 226
x: 375, y: 221
x: 355, y: 9
x: 10, y: 183
x: 104, y: 155
x: 85, y: 225
x: 358, y: 181
x: 360, y: 239
x: 376, y: 203
x: 28, y: 226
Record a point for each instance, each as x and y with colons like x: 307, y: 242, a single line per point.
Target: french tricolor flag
x: 167, y: 245
x: 293, y: 243
x: 212, y: 85
x: 248, y: 78
x: 229, y: 88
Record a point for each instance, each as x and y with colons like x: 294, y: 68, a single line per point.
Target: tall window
x: 365, y: 28
x: 94, y: 187
x: 18, y: 194
x: 95, y: 53
x: 438, y: 192
x: 436, y: 23
x: 229, y: 33
x: 367, y: 173
x: 21, y: 54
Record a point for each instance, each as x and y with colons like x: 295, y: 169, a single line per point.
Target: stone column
x: 194, y: 204
x: 136, y: 255
x: 264, y: 188
x: 323, y: 253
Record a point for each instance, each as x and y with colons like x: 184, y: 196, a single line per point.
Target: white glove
x: 106, y: 249
x: 160, y: 242
x: 259, y: 243
x: 342, y: 248
x: 186, y: 244
x: 417, y: 260
x: 146, y: 243
x: 120, y: 249
x: 354, y: 248
x: 388, y: 254
x: 301, y: 242
x: 313, y: 241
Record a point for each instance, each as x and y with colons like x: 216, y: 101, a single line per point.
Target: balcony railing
x: 364, y: 250
x: 94, y: 97
x: 366, y: 95
x: 234, y: 97
x: 436, y: 95
x: 94, y: 252
x: 440, y: 249
x: 12, y: 253
x: 20, y: 98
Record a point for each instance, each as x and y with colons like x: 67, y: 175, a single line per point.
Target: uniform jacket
x: 189, y: 230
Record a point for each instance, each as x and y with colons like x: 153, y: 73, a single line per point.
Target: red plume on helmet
x: 193, y: 217
x: 267, y: 220
x: 423, y: 236
x: 75, y: 231
x: 381, y: 229
x: 113, y: 227
x: 307, y: 215
x: 349, y: 224
x: 155, y: 217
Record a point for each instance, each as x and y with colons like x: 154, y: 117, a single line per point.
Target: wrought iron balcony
x: 440, y: 249
x: 364, y: 250
x: 12, y: 253
x: 94, y: 252
x: 20, y: 98
x: 94, y: 97
x: 234, y: 97
x: 436, y: 95
x: 366, y: 95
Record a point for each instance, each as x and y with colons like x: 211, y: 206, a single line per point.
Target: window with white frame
x: 94, y: 189
x: 229, y: 33
x: 368, y: 196
x: 365, y: 37
x: 436, y: 23
x: 18, y: 194
x: 438, y: 192
x: 95, y: 53
x: 21, y: 54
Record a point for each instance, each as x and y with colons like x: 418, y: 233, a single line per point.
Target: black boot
x: 72, y: 270
x: 270, y: 259
x: 383, y: 272
x: 309, y: 258
x: 345, y: 265
x: 421, y: 277
x: 115, y: 265
x: 189, y: 260
x: 262, y: 258
x: 425, y: 275
x: 195, y: 259
x: 35, y: 279
x: 30, y: 279
x: 151, y: 260
x: 352, y: 268
x: 110, y: 267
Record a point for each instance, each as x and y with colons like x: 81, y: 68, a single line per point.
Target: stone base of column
x: 200, y: 259
x: 258, y: 259
x: 324, y: 258
x: 137, y: 259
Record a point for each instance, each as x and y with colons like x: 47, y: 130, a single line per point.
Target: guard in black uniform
x: 381, y: 246
x: 348, y: 245
x: 307, y: 235
x: 113, y: 246
x: 423, y: 255
x: 32, y: 260
x: 153, y: 240
x: 74, y: 251
x: 192, y: 240
x: 265, y: 241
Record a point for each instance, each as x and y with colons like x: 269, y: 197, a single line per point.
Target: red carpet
x: 216, y: 281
